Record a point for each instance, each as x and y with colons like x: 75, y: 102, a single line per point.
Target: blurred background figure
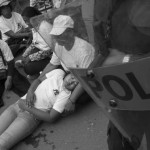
x: 13, y: 28
x: 10, y: 78
x: 37, y: 55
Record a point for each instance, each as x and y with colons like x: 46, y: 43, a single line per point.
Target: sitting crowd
x: 55, y: 90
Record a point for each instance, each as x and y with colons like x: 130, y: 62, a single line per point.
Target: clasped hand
x: 30, y: 99
x: 22, y: 104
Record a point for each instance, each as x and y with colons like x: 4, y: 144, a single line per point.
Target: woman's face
x: 70, y: 82
x: 6, y: 12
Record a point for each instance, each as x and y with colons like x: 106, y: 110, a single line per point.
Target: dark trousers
x: 115, y: 139
x: 34, y: 67
x: 20, y: 85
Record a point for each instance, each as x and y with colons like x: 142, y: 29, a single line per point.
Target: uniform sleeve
x: 61, y: 101
x: 6, y: 51
x: 55, y: 60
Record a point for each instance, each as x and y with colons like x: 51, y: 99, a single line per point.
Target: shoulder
x: 83, y: 46
x: 45, y: 26
x: 16, y: 15
x: 82, y: 43
x: 57, y: 73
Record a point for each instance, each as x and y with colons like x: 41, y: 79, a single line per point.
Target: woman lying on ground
x: 37, y: 55
x: 44, y: 103
x: 12, y: 26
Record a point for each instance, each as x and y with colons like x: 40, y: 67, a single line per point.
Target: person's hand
x: 70, y: 107
x: 22, y: 104
x: 8, y: 83
x: 30, y: 99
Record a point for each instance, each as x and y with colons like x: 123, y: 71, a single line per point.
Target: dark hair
x: 9, y: 5
x: 31, y: 12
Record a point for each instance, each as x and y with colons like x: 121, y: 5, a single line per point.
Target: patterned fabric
x: 40, y: 55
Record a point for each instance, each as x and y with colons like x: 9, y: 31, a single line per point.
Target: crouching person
x: 10, y: 78
x: 45, y: 101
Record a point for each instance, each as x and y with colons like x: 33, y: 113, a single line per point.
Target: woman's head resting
x: 70, y: 82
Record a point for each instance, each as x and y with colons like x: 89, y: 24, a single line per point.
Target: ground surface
x: 83, y: 130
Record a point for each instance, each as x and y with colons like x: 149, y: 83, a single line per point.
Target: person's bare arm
x: 18, y: 34
x: 50, y: 116
x: 70, y: 106
x: 30, y: 99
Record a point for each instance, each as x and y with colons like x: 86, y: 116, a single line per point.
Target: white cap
x: 61, y: 23
x: 4, y: 2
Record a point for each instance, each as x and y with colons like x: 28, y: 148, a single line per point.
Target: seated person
x: 12, y: 26
x: 70, y: 52
x: 37, y: 55
x: 12, y: 79
x: 47, y: 103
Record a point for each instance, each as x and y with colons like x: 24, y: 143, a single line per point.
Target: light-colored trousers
x: 15, y: 125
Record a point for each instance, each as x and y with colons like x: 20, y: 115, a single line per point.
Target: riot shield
x: 122, y: 91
